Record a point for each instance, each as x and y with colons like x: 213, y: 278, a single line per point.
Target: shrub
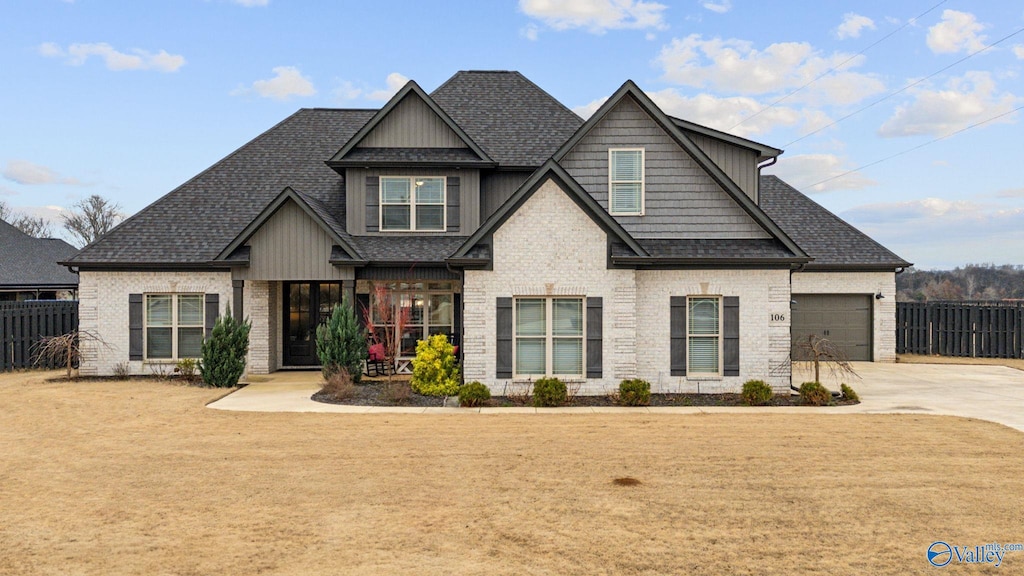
x: 122, y: 371
x: 224, y: 352
x: 434, y: 370
x: 187, y: 369
x: 339, y: 386
x: 756, y: 393
x: 548, y: 392
x: 814, y: 394
x: 474, y: 394
x: 635, y: 392
x: 341, y: 343
x: 397, y: 391
x: 848, y: 393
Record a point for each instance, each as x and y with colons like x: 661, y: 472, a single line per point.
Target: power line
x: 840, y: 65
x: 918, y: 147
x: 907, y: 87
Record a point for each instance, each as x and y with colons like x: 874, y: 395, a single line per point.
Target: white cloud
x: 735, y: 67
x: 531, y: 31
x: 805, y: 171
x: 251, y: 3
x: 5, y: 191
x: 1011, y: 193
x: 394, y: 81
x: 966, y: 100
x: 288, y: 81
x: 78, y: 54
x: 347, y: 91
x: 30, y: 174
x: 1018, y: 51
x: 597, y: 16
x: 957, y: 31
x: 721, y: 6
x: 852, y: 25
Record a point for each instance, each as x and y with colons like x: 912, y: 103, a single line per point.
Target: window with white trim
x: 175, y: 326
x: 412, y: 204
x: 626, y: 181
x: 549, y: 337
x: 704, y: 335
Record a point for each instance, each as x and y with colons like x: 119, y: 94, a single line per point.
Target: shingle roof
x: 412, y: 155
x: 831, y: 241
x: 32, y: 262
x: 408, y: 248
x: 197, y: 220
x: 511, y: 118
x: 693, y: 249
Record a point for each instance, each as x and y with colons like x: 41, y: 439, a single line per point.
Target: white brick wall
x: 262, y: 306
x: 103, y: 311
x: 884, y: 313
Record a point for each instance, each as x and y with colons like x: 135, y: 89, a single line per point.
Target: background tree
x: 5, y: 211
x: 34, y: 227
x: 91, y: 218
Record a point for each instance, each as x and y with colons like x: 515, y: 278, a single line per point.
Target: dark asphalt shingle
x: 26, y: 261
x: 409, y: 248
x: 709, y: 248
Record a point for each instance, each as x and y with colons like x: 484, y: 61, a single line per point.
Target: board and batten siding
x: 291, y: 246
x: 737, y: 162
x: 412, y: 124
x: 355, y: 197
x: 681, y: 199
x: 496, y: 188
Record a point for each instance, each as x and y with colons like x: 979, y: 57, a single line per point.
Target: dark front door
x: 309, y: 305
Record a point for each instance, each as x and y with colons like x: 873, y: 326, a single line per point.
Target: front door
x: 309, y: 305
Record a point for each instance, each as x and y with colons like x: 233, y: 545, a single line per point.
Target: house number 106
x: 778, y: 317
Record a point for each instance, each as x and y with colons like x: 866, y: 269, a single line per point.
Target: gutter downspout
x: 769, y: 163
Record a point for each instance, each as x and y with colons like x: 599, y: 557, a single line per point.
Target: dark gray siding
x: 412, y: 124
x: 738, y: 163
x: 496, y: 188
x: 681, y: 200
x: 469, y: 198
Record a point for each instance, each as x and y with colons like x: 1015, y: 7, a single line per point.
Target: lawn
x: 140, y: 478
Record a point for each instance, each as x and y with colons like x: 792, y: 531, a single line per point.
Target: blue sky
x: 130, y: 99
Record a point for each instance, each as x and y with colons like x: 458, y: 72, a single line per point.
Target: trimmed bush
x: 474, y: 394
x: 756, y: 393
x: 434, y: 369
x: 848, y: 393
x: 814, y: 394
x: 549, y: 392
x: 635, y: 392
x: 341, y: 343
x: 224, y: 352
x: 188, y: 370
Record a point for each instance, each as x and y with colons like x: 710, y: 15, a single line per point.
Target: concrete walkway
x: 993, y: 393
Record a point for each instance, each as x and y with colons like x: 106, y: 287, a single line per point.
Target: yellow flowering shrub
x: 434, y: 369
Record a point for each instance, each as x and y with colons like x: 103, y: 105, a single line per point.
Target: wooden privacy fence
x: 974, y: 329
x: 23, y: 324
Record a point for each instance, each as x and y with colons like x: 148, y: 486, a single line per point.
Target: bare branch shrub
x: 816, y: 350
x: 64, y: 350
x: 339, y: 385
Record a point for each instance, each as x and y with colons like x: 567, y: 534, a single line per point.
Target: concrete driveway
x: 993, y: 393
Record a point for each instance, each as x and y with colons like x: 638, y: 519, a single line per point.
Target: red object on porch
x: 376, y: 352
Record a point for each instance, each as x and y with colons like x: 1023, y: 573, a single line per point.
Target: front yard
x: 140, y: 478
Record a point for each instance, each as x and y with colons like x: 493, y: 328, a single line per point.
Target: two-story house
x: 633, y: 244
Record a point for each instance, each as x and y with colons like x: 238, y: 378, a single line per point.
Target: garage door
x: 845, y: 319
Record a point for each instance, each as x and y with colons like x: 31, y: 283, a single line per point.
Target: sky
x: 903, y: 118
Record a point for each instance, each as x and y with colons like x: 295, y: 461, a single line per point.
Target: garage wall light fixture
x: 879, y: 296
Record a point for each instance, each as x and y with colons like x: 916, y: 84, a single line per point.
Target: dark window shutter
x: 372, y: 203
x: 677, y: 330
x: 457, y: 321
x: 135, y: 311
x: 238, y: 288
x: 594, y: 330
x: 212, y: 310
x: 454, y: 204
x: 731, y: 336
x: 504, y: 340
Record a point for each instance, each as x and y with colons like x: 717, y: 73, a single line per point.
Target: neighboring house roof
x: 192, y: 224
x: 832, y: 242
x: 32, y: 263
x: 517, y: 123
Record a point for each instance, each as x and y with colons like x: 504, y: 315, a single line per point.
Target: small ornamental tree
x: 224, y: 352
x: 341, y: 343
x: 434, y: 369
x: 386, y: 323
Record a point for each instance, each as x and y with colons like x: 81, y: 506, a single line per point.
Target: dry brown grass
x: 140, y: 478
x: 922, y: 359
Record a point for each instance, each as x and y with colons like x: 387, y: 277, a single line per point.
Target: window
x: 430, y: 307
x: 626, y: 181
x: 703, y: 335
x: 413, y: 204
x: 175, y: 326
x: 548, y: 337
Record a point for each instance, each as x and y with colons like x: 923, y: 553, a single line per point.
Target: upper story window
x: 626, y: 181
x: 704, y: 335
x: 174, y: 326
x: 412, y: 204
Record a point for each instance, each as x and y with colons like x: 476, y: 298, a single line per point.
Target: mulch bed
x: 374, y: 393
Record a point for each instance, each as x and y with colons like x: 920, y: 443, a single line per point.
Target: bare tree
x: 816, y: 350
x: 390, y: 323
x: 91, y: 218
x: 5, y: 211
x: 34, y: 227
